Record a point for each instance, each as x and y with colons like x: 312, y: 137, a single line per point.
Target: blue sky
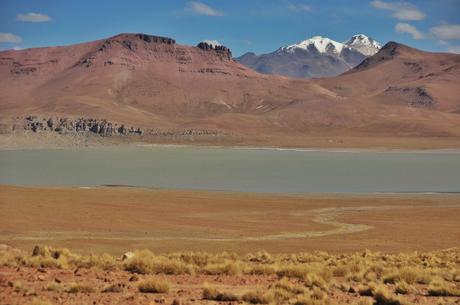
x: 243, y: 25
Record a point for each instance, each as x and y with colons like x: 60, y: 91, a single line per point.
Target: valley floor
x: 114, y: 219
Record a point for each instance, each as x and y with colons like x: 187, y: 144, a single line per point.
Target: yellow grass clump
x: 154, y: 285
x: 212, y: 293
x: 145, y: 262
x: 79, y: 288
x: 439, y: 287
x: 258, y: 297
x: 37, y: 301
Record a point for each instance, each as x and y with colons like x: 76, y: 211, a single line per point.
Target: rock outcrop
x: 100, y: 127
x: 81, y: 125
x: 222, y: 51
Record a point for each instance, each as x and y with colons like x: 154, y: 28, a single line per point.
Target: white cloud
x: 454, y: 49
x: 299, y: 7
x: 401, y: 10
x: 33, y: 17
x: 8, y: 37
x: 16, y: 48
x: 446, y: 31
x: 409, y: 29
x: 203, y: 9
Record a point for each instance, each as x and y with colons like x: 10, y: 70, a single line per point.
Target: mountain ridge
x: 152, y: 83
x: 314, y: 57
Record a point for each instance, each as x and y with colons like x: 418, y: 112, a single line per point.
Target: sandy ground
x: 114, y: 220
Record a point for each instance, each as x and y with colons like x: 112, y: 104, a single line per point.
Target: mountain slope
x: 141, y: 78
x: 152, y: 82
x: 314, y: 57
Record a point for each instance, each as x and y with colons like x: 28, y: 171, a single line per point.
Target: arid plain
x: 226, y: 247
x: 117, y: 219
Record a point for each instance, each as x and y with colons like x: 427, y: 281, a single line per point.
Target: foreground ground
x: 194, y: 229
x: 56, y: 276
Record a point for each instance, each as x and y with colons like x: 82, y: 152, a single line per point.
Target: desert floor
x: 118, y: 219
x: 290, y: 228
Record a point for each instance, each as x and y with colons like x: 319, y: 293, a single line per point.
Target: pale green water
x: 252, y: 170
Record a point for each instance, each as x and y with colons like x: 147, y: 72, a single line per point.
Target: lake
x: 247, y: 170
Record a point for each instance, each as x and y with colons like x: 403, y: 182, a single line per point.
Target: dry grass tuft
x: 53, y: 286
x: 115, y: 288
x: 79, y: 288
x: 404, y: 288
x: 212, y: 293
x: 37, y: 301
x: 440, y: 288
x: 384, y: 297
x: 145, y: 262
x: 153, y: 285
x: 258, y: 297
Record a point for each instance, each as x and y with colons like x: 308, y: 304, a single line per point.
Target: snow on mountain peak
x: 360, y: 42
x: 364, y: 44
x: 321, y: 44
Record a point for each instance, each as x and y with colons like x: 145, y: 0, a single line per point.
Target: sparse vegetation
x: 53, y: 287
x: 115, y: 288
x: 384, y: 297
x: 212, y: 293
x: 258, y: 297
x: 37, y: 301
x: 79, y: 288
x: 439, y: 287
x: 303, y: 279
x: 154, y: 285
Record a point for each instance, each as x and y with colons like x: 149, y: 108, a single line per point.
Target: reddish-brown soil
x: 115, y: 220
x: 186, y: 289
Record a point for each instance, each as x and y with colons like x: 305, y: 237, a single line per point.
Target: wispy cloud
x: 33, y: 17
x: 203, y: 9
x: 11, y: 38
x: 409, y: 29
x: 401, y: 10
x: 453, y: 49
x: 299, y: 7
x: 446, y: 31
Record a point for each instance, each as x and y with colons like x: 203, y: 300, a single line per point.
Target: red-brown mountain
x: 153, y: 82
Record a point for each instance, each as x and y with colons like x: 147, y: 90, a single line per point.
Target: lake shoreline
x: 32, y: 141
x: 245, y: 147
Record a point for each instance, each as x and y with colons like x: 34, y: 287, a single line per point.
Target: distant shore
x: 277, y: 142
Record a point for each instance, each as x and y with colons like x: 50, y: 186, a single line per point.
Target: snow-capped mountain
x: 363, y: 44
x: 316, y: 43
x: 314, y: 57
